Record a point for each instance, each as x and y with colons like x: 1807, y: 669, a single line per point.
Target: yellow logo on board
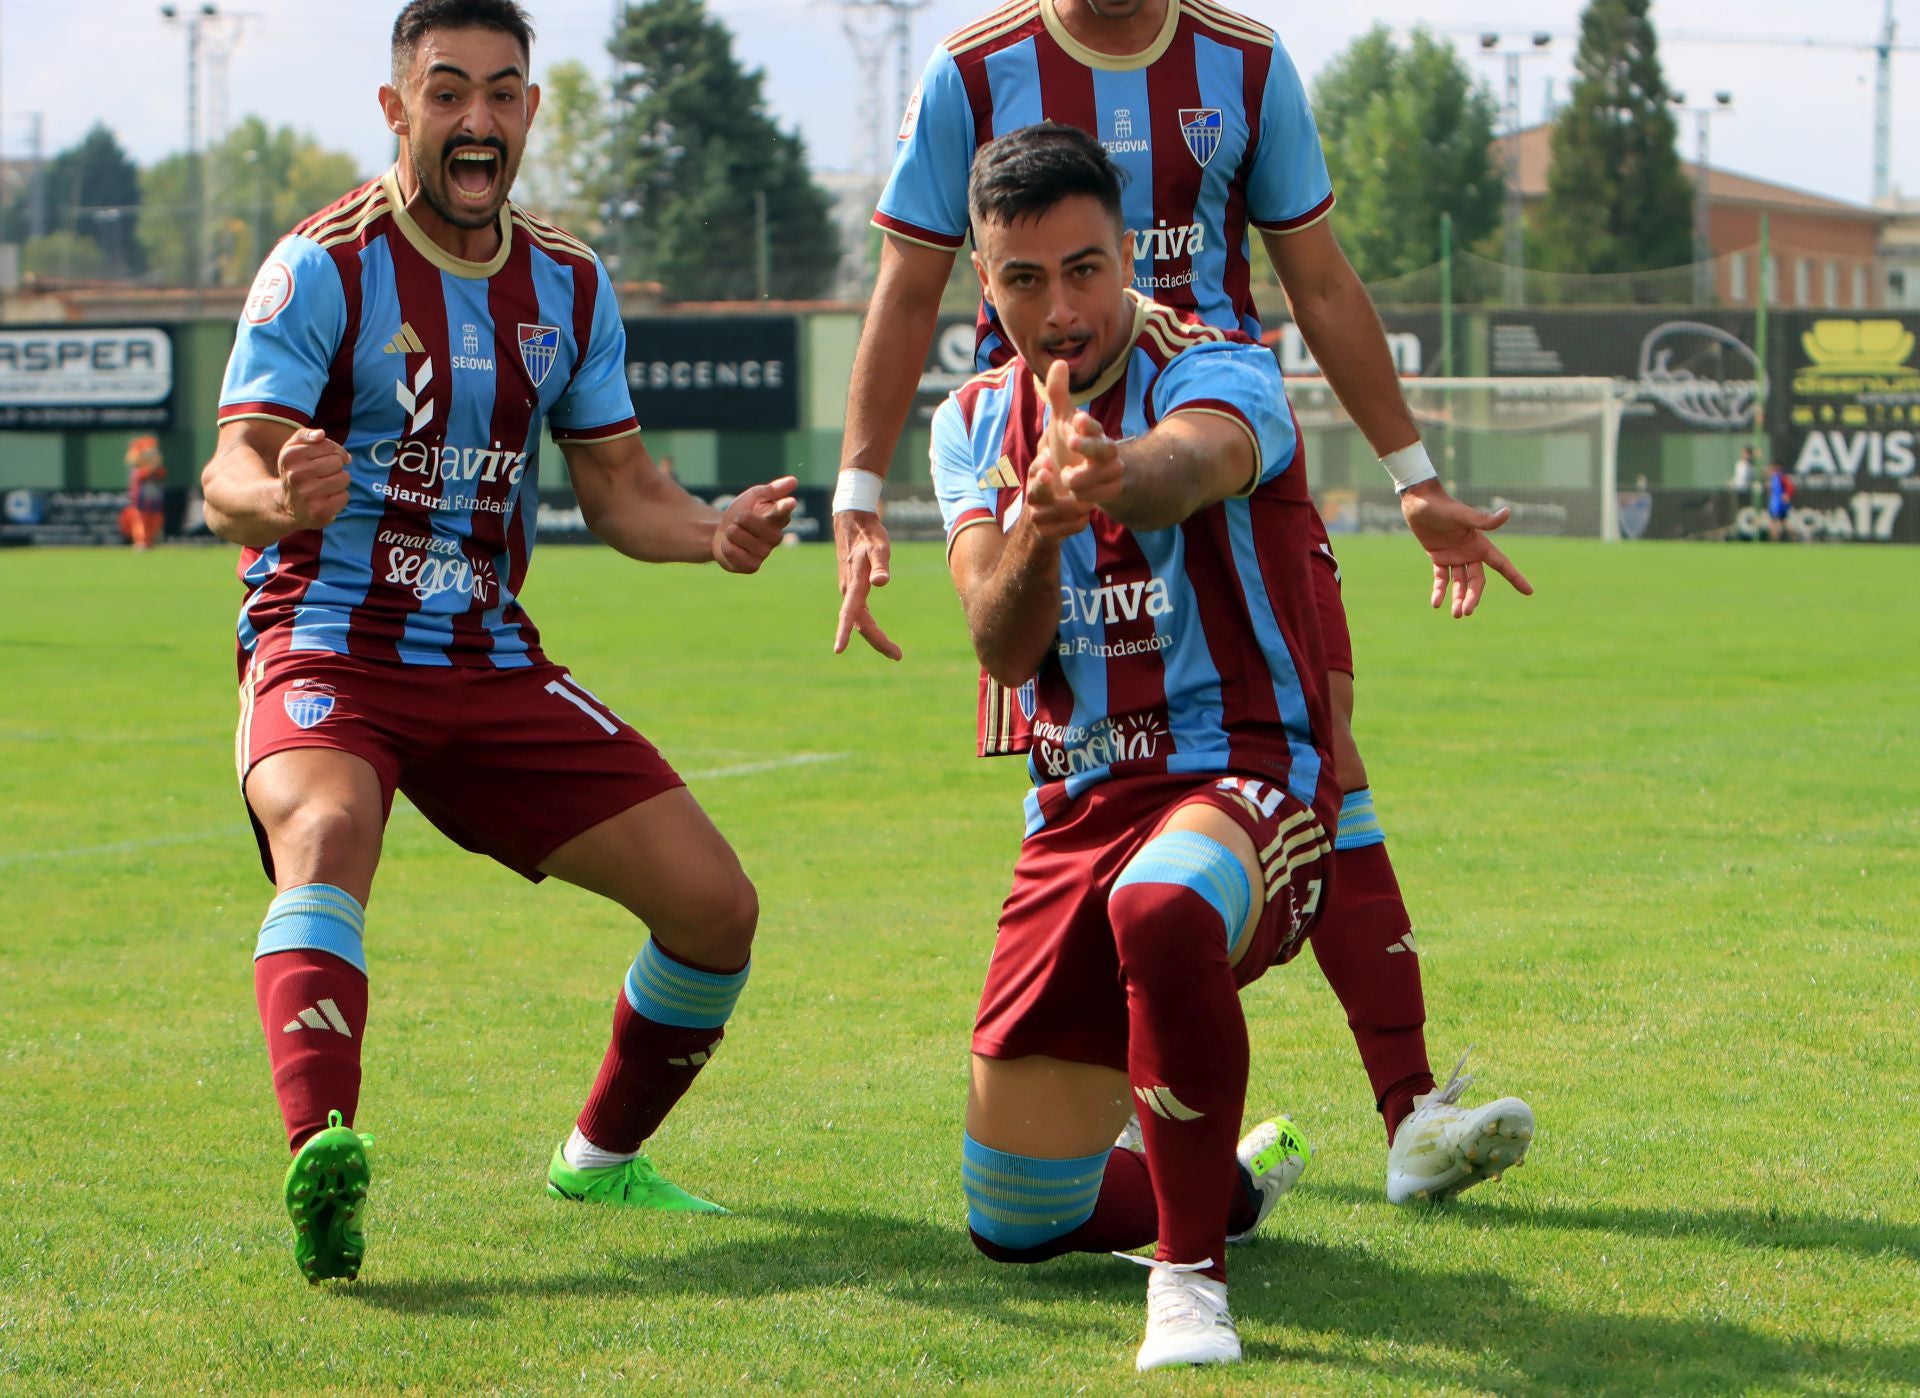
x: 1857, y: 346
x: 1846, y: 358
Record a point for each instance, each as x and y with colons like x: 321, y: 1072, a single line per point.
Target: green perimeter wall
x: 93, y: 460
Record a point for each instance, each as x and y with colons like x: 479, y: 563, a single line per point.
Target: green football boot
x: 326, y: 1193
x: 632, y: 1184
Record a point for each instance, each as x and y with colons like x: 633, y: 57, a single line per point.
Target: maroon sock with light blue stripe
x: 667, y: 1024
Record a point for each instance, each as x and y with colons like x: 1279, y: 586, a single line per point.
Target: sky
x: 1801, y: 116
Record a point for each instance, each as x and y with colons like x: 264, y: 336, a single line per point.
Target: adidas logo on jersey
x: 1001, y: 477
x: 1406, y: 943
x: 406, y: 342
x: 323, y: 1016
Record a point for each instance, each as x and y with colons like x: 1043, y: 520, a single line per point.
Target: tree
x: 63, y: 256
x: 260, y: 181
x: 1617, y: 199
x: 1408, y: 135
x: 695, y: 146
x: 90, y: 193
x: 565, y: 174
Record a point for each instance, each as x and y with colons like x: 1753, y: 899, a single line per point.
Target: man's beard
x: 433, y: 181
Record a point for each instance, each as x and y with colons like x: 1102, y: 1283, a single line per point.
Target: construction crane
x: 1883, y: 49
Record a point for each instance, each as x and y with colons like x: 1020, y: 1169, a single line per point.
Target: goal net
x: 1546, y: 447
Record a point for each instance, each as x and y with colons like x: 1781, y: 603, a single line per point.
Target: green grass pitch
x: 1658, y: 827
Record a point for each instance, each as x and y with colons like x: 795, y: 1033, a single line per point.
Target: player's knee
x: 1151, y: 904
x: 323, y: 838
x: 715, y: 925
x: 1020, y: 1207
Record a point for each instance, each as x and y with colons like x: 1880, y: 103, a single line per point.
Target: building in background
x: 1827, y: 253
x: 1900, y: 252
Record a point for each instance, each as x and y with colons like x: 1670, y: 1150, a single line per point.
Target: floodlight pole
x: 1515, y: 251
x: 1703, y: 287
x: 196, y: 185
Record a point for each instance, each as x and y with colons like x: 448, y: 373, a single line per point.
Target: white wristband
x: 857, y: 490
x: 1409, y: 467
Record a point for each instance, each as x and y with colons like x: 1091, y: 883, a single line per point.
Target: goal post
x: 1549, y: 448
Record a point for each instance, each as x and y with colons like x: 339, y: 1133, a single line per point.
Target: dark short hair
x: 420, y: 16
x: 1025, y: 173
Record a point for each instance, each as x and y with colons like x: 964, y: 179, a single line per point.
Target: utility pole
x: 618, y: 210
x: 1703, y: 288
x: 1515, y: 242
x: 872, y: 27
x: 37, y: 199
x: 191, y: 20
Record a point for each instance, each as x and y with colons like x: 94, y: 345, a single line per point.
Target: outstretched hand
x: 1455, y: 538
x: 860, y: 541
x: 1088, y: 459
x: 750, y: 528
x: 1050, y: 509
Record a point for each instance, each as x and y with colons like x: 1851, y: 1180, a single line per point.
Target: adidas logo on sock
x: 323, y: 1016
x: 697, y: 1058
x: 1406, y: 943
x: 1164, y: 1104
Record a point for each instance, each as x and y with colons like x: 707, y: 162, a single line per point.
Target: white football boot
x: 1442, y: 1148
x: 1187, y: 1317
x: 1130, y: 1137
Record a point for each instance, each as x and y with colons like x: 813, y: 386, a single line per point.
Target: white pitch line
x: 7, y: 861
x: 775, y: 764
x: 191, y: 837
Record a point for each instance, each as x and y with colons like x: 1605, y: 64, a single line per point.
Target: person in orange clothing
x: 143, y: 521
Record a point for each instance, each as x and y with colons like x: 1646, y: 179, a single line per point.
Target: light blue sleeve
x: 1237, y: 381
x: 597, y: 403
x: 1288, y: 187
x: 956, y: 474
x: 926, y: 196
x: 289, y: 332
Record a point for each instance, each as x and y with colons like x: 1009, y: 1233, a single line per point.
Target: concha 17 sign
x: 55, y: 377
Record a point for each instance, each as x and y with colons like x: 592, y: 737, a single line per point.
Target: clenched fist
x: 313, y: 478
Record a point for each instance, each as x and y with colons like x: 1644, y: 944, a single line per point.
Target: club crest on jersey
x: 539, y: 347
x: 307, y: 707
x: 1200, y: 127
x: 1028, y: 696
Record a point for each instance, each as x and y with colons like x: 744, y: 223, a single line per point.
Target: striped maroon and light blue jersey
x: 1194, y: 648
x: 1209, y: 124
x: 435, y: 374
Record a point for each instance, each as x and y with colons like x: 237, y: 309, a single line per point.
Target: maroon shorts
x: 510, y: 763
x: 1053, y: 986
x: 1334, y: 638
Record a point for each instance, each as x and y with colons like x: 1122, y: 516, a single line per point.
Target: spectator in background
x: 1742, y: 483
x: 143, y: 520
x: 1779, y: 501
